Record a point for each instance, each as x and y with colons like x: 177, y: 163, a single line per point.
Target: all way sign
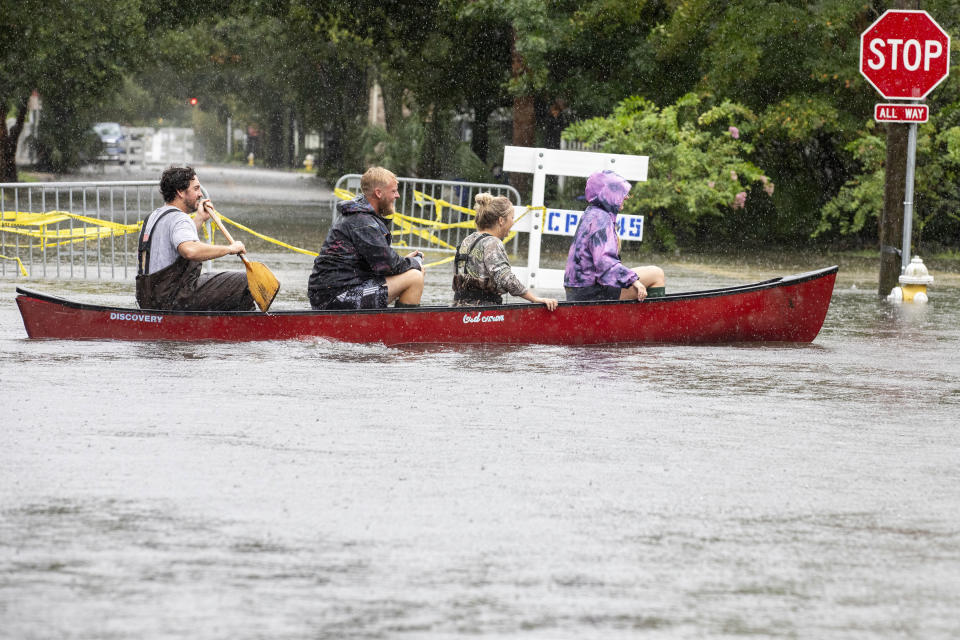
x: 901, y: 112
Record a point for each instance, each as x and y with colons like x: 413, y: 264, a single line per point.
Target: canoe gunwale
x: 784, y: 281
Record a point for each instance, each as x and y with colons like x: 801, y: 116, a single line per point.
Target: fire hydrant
x: 308, y: 162
x: 913, y: 283
x: 250, y: 159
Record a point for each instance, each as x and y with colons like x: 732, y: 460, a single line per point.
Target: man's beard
x: 385, y: 208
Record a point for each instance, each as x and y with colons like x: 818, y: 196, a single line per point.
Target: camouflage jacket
x: 486, y: 269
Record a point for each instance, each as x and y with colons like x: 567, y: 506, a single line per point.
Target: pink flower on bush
x: 767, y: 185
x: 739, y: 200
x: 734, y: 133
x: 733, y: 176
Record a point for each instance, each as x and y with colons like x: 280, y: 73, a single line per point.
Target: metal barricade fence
x: 49, y: 244
x: 68, y: 247
x: 452, y: 191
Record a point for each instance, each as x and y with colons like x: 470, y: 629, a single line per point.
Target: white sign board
x: 543, y: 162
x: 581, y: 164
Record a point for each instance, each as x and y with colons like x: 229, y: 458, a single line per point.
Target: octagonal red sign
x: 904, y: 54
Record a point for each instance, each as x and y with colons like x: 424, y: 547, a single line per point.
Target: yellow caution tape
x: 443, y: 261
x: 406, y: 222
x: 23, y: 270
x: 35, y: 225
x: 24, y: 218
x: 408, y: 229
x: 19, y: 223
x: 419, y: 197
x: 279, y: 243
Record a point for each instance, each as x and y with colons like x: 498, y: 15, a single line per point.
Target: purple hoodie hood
x: 607, y: 189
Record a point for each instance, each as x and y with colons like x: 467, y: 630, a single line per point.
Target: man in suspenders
x: 170, y: 254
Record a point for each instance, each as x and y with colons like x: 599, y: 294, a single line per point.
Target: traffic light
x: 193, y: 102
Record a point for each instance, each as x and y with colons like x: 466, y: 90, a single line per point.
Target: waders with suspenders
x: 470, y: 290
x: 181, y: 287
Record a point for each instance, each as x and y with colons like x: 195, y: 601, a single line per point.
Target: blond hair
x: 375, y: 178
x: 490, y: 208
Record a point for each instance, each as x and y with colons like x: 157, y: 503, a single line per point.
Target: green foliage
x: 73, y: 55
x: 784, y: 73
x: 936, y: 211
x: 861, y: 199
x: 795, y: 65
x: 398, y: 150
x: 403, y: 151
x: 796, y: 119
x: 699, y: 158
x: 533, y: 28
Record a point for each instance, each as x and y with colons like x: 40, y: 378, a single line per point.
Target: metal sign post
x: 908, y: 197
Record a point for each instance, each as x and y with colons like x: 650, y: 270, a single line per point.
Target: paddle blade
x: 262, y: 283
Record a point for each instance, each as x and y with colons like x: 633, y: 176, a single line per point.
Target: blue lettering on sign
x: 550, y: 218
x: 565, y: 221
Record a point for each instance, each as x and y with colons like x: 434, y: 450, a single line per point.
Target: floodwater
x: 312, y: 489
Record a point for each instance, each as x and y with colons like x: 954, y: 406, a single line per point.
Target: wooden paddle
x: 262, y: 283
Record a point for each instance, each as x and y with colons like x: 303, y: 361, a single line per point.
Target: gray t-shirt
x: 176, y: 227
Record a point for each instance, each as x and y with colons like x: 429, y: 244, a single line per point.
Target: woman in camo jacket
x: 482, y: 273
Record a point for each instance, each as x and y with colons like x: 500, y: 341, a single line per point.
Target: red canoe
x: 789, y: 309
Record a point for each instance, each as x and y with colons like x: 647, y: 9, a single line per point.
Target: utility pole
x: 891, y: 219
x: 894, y: 192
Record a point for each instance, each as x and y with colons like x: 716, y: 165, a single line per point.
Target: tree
x: 795, y: 66
x: 432, y: 60
x: 855, y: 210
x: 605, y: 51
x: 700, y: 151
x: 73, y: 54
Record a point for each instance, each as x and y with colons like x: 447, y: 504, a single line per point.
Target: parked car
x: 111, y: 135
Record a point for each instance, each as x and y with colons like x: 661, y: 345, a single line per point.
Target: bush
x: 698, y: 160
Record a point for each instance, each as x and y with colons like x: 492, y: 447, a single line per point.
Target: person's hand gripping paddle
x: 262, y: 283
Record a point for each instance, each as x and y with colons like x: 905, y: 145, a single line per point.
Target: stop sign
x: 904, y: 54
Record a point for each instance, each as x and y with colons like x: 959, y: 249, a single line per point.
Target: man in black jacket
x: 357, y: 268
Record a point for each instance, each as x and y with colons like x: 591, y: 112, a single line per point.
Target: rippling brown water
x: 311, y: 489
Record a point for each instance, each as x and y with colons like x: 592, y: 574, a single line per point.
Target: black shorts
x: 593, y: 292
x: 372, y: 294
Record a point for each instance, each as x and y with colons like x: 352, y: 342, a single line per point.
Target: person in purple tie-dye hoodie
x: 594, y: 270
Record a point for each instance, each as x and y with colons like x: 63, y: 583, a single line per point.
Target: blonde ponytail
x: 490, y: 208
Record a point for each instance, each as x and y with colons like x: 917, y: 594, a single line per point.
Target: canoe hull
x: 790, y: 309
